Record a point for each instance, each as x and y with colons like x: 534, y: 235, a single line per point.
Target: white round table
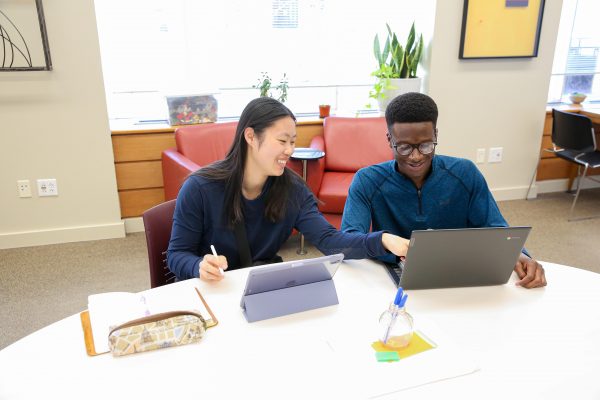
x: 524, y: 343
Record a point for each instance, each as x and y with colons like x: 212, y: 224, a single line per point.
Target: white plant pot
x: 398, y: 86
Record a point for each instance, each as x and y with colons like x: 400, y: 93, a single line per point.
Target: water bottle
x: 396, y: 323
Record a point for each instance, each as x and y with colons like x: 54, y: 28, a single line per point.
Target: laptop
x: 445, y: 258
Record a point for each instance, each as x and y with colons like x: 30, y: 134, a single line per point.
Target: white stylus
x: 214, y: 251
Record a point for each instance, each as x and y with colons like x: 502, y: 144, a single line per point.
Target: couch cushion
x: 205, y: 143
x: 334, y: 189
x: 354, y: 143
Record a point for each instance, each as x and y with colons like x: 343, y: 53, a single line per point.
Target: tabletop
x: 523, y: 343
x: 307, y: 153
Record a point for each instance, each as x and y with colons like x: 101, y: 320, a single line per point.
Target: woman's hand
x: 212, y: 267
x: 396, y: 244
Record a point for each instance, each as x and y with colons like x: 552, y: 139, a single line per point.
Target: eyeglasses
x: 405, y: 149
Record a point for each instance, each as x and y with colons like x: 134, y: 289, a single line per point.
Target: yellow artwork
x: 501, y: 28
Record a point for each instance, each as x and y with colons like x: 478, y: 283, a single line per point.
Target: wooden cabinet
x: 138, y: 167
x: 137, y: 152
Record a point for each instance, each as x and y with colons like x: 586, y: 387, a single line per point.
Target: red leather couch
x: 349, y: 144
x: 197, y: 146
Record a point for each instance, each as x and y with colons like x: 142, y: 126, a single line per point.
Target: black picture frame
x: 470, y: 40
x: 15, y: 52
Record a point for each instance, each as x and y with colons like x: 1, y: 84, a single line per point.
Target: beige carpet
x: 41, y: 285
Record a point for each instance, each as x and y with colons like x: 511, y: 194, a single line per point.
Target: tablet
x: 291, y: 273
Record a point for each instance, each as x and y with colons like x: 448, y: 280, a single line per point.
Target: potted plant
x: 577, y: 97
x: 324, y: 110
x: 265, y: 86
x: 397, y: 72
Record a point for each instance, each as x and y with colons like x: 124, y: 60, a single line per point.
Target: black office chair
x: 158, y: 222
x: 573, y: 140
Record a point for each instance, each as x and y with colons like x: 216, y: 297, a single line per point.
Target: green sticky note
x: 387, y: 356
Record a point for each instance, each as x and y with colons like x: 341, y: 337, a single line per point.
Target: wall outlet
x: 47, y: 187
x: 495, y: 155
x: 480, y: 156
x: 24, y: 188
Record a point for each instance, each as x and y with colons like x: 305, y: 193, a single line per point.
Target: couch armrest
x: 176, y: 168
x: 315, y: 169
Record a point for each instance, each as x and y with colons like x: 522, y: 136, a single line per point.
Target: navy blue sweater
x: 454, y: 195
x: 198, y: 222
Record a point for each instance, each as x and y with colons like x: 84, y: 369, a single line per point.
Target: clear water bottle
x: 396, y: 323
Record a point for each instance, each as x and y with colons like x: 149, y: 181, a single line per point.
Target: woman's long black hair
x: 259, y: 114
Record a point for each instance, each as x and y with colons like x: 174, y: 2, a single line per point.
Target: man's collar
x: 433, y: 167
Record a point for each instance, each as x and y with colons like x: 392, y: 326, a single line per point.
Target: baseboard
x: 62, y: 235
x: 561, y: 185
x: 549, y: 186
x: 133, y: 225
x: 514, y: 193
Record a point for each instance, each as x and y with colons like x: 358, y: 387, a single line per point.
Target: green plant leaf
x: 400, y: 60
x: 416, y: 57
x: 411, y: 39
x: 386, y: 51
x: 377, y: 50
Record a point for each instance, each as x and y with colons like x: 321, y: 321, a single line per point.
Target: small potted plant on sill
x: 397, y: 72
x: 577, y: 97
x: 265, y: 86
x: 324, y: 110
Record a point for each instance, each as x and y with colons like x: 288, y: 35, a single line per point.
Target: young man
x: 421, y: 190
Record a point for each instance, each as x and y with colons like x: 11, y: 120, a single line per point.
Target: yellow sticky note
x: 417, y: 345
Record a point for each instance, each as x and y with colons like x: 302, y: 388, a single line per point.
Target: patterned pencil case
x: 157, y: 331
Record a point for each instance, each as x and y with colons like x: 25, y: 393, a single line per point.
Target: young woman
x: 252, y: 189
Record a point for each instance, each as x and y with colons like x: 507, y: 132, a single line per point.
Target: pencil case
x: 169, y: 329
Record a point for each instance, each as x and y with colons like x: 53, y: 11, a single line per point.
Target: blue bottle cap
x: 398, y: 298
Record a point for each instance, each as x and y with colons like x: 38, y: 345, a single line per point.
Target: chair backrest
x: 354, y: 143
x: 158, y: 222
x: 572, y: 131
x: 205, y: 143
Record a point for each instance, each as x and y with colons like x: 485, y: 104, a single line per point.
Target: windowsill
x: 130, y: 125
x: 587, y: 105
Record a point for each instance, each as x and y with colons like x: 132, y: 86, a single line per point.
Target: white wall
x: 55, y: 125
x: 491, y: 103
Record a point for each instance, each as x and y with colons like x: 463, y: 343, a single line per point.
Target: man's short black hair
x: 411, y: 107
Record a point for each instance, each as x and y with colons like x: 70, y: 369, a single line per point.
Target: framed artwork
x: 501, y: 28
x: 23, y: 37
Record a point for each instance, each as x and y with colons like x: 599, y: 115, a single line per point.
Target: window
x: 151, y: 48
x: 576, y: 66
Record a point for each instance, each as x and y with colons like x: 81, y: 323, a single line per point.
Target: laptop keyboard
x: 394, y: 271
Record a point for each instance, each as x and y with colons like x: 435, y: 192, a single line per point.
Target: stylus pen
x: 214, y: 251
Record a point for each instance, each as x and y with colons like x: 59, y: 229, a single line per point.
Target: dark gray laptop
x: 445, y: 258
